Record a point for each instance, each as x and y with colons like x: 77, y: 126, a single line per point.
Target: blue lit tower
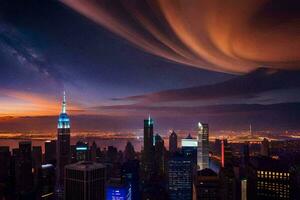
x: 63, y: 145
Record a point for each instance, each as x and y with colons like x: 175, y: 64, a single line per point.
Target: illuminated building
x: 189, y: 148
x: 173, y: 142
x: 63, y: 146
x: 273, y: 179
x: 148, y: 154
x: 50, y: 151
x: 203, y: 146
x: 180, y: 182
x: 244, y: 189
x: 130, y: 176
x: 85, y: 180
x: 82, y: 151
x: 118, y: 191
x: 207, y: 185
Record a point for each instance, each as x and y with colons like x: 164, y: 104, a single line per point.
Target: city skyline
x: 111, y: 78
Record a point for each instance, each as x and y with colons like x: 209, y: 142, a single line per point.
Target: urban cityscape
x: 149, y: 100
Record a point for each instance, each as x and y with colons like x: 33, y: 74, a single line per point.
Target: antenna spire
x: 64, y: 104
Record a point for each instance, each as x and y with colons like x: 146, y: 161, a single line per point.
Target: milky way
x: 229, y: 36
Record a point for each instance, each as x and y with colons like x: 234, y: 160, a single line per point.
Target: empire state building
x: 63, y: 144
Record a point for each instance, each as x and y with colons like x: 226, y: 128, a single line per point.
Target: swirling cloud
x: 229, y: 36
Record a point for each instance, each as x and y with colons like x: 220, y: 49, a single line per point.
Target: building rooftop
x: 85, y: 166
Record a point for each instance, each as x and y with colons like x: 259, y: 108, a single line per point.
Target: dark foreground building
x: 85, y: 181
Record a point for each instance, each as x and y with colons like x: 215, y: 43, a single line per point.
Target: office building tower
x: 24, y: 176
x: 84, y: 180
x: 148, y: 154
x: 50, y: 152
x: 246, y: 153
x: 46, y: 182
x: 5, y: 163
x: 265, y: 149
x: 36, y: 162
x: 129, y: 152
x: 5, y: 160
x: 130, y: 176
x: 207, y: 185
x: 189, y: 147
x: 173, y: 142
x: 117, y: 190
x: 63, y: 146
x: 82, y: 151
x: 273, y: 179
x: 203, y: 146
x: 159, y: 155
x: 226, y: 174
x: 93, y: 152
x: 180, y: 182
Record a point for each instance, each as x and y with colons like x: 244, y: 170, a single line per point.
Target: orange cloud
x: 229, y: 36
x: 21, y: 103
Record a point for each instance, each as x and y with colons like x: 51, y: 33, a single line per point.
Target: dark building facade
x: 207, y: 185
x: 180, y: 181
x: 84, y: 180
x: 173, y: 142
x: 148, y: 153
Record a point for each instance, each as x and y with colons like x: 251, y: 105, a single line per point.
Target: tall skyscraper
x: 180, y: 182
x: 173, y: 142
x: 148, y: 155
x: 63, y: 145
x: 85, y: 180
x: 50, y: 151
x: 24, y: 177
x: 189, y: 147
x: 159, y: 154
x: 203, y: 146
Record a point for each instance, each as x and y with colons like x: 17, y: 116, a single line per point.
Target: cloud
x: 245, y: 86
x: 231, y: 36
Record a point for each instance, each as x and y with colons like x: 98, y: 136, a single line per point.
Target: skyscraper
x: 63, y: 145
x: 82, y: 151
x: 173, y: 142
x: 148, y: 155
x: 189, y: 149
x: 203, y: 146
x: 24, y: 178
x: 159, y: 154
x: 180, y: 182
x: 207, y: 185
x: 85, y: 180
x: 50, y: 151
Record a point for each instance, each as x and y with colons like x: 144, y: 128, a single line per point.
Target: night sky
x: 229, y: 63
